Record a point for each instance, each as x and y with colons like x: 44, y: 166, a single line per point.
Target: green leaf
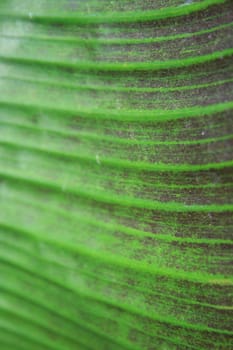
x: 116, y: 174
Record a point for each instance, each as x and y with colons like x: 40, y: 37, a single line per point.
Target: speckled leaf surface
x: 116, y: 174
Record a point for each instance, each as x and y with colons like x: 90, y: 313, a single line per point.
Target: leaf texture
x: 116, y: 174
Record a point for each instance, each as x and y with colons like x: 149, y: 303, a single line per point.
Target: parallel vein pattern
x: 116, y: 174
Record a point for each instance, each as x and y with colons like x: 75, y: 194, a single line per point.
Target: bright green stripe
x: 110, y: 139
x: 216, y: 331
x: 171, y: 321
x: 115, y: 41
x: 125, y: 66
x: 62, y: 291
x: 33, y: 236
x: 43, y: 304
x: 119, y: 17
x: 136, y: 202
x: 59, y: 75
x: 108, y: 226
x: 152, y: 205
x: 163, y: 295
x: 137, y: 116
x: 107, y: 239
x: 142, y: 183
x: 129, y: 263
x: 72, y: 185
x: 123, y: 164
x: 58, y: 84
x: 195, y: 186
x: 159, y: 337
